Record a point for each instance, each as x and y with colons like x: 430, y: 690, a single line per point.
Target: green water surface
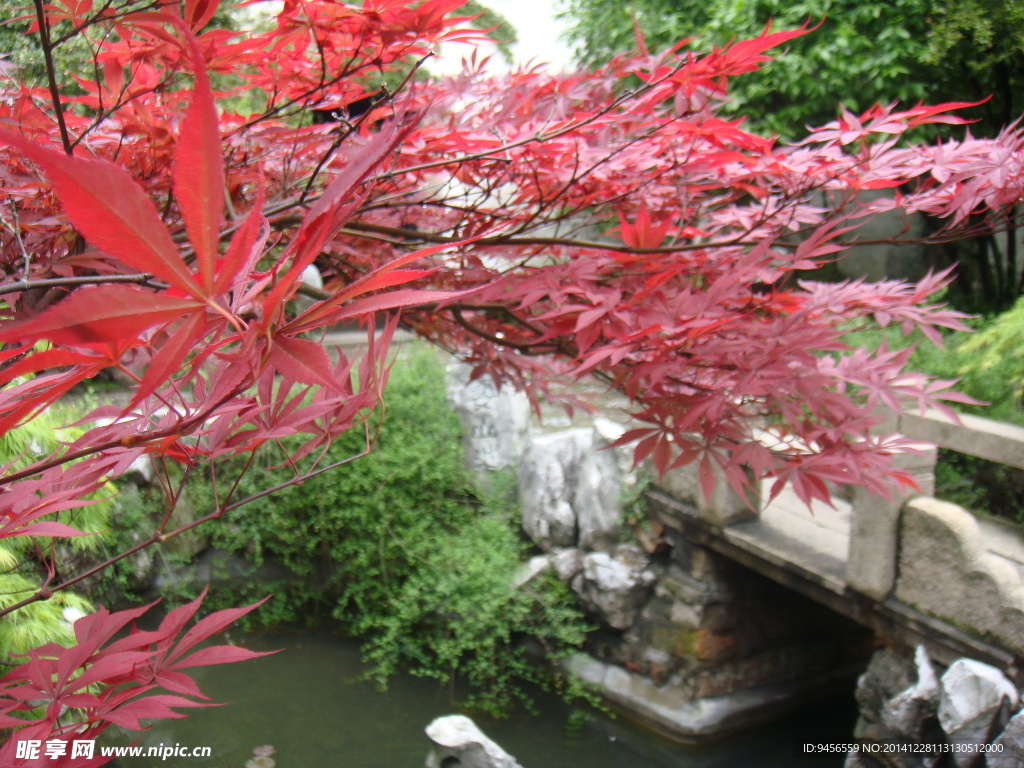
x: 308, y: 703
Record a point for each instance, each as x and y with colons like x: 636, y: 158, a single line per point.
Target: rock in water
x: 1009, y: 746
x: 907, y: 713
x: 458, y: 743
x: 888, y: 674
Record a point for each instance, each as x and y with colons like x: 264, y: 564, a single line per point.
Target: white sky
x: 538, y: 37
x: 533, y: 19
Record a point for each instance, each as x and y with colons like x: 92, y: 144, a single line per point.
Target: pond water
x: 308, y: 703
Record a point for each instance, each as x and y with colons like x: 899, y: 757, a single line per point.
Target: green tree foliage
x: 73, y: 54
x: 20, y: 574
x: 502, y: 30
x: 22, y: 53
x: 861, y: 52
x: 982, y: 41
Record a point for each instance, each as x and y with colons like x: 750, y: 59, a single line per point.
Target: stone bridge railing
x: 697, y: 643
x: 936, y: 556
x: 915, y: 551
x: 918, y: 551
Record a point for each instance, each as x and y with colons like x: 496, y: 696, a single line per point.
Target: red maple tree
x: 543, y: 227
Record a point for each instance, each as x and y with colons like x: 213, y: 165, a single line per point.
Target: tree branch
x: 51, y: 75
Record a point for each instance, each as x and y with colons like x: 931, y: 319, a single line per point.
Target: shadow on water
x: 308, y: 703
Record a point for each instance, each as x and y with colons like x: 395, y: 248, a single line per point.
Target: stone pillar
x: 723, y: 508
x: 874, y: 529
x: 874, y: 544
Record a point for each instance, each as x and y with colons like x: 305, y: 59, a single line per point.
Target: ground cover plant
x: 159, y: 212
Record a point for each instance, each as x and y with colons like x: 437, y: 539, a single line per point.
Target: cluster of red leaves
x: 150, y: 232
x: 104, y: 681
x: 217, y: 356
x: 212, y: 352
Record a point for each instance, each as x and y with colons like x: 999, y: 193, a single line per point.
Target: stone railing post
x: 724, y: 508
x: 874, y: 529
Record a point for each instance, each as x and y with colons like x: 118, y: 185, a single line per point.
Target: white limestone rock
x: 141, y: 472
x: 975, y: 702
x: 570, y: 488
x: 597, y: 499
x: 459, y: 742
x: 1008, y: 749
x: 547, y: 485
x: 614, y: 588
x: 495, y: 422
x: 531, y: 569
x: 907, y: 712
x: 567, y: 562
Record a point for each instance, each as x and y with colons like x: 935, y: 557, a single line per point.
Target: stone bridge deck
x: 808, y: 550
x: 817, y: 539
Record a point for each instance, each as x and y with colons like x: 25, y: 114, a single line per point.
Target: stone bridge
x: 918, y: 569
x: 714, y: 615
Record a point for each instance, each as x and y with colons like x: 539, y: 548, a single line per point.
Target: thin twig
x: 57, y: 282
x: 47, y: 592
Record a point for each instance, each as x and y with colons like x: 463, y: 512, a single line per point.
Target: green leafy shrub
x: 991, y: 366
x: 355, y: 530
x: 991, y: 369
x: 401, y: 548
x: 460, y: 613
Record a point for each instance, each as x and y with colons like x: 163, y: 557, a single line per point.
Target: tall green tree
x: 859, y: 53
